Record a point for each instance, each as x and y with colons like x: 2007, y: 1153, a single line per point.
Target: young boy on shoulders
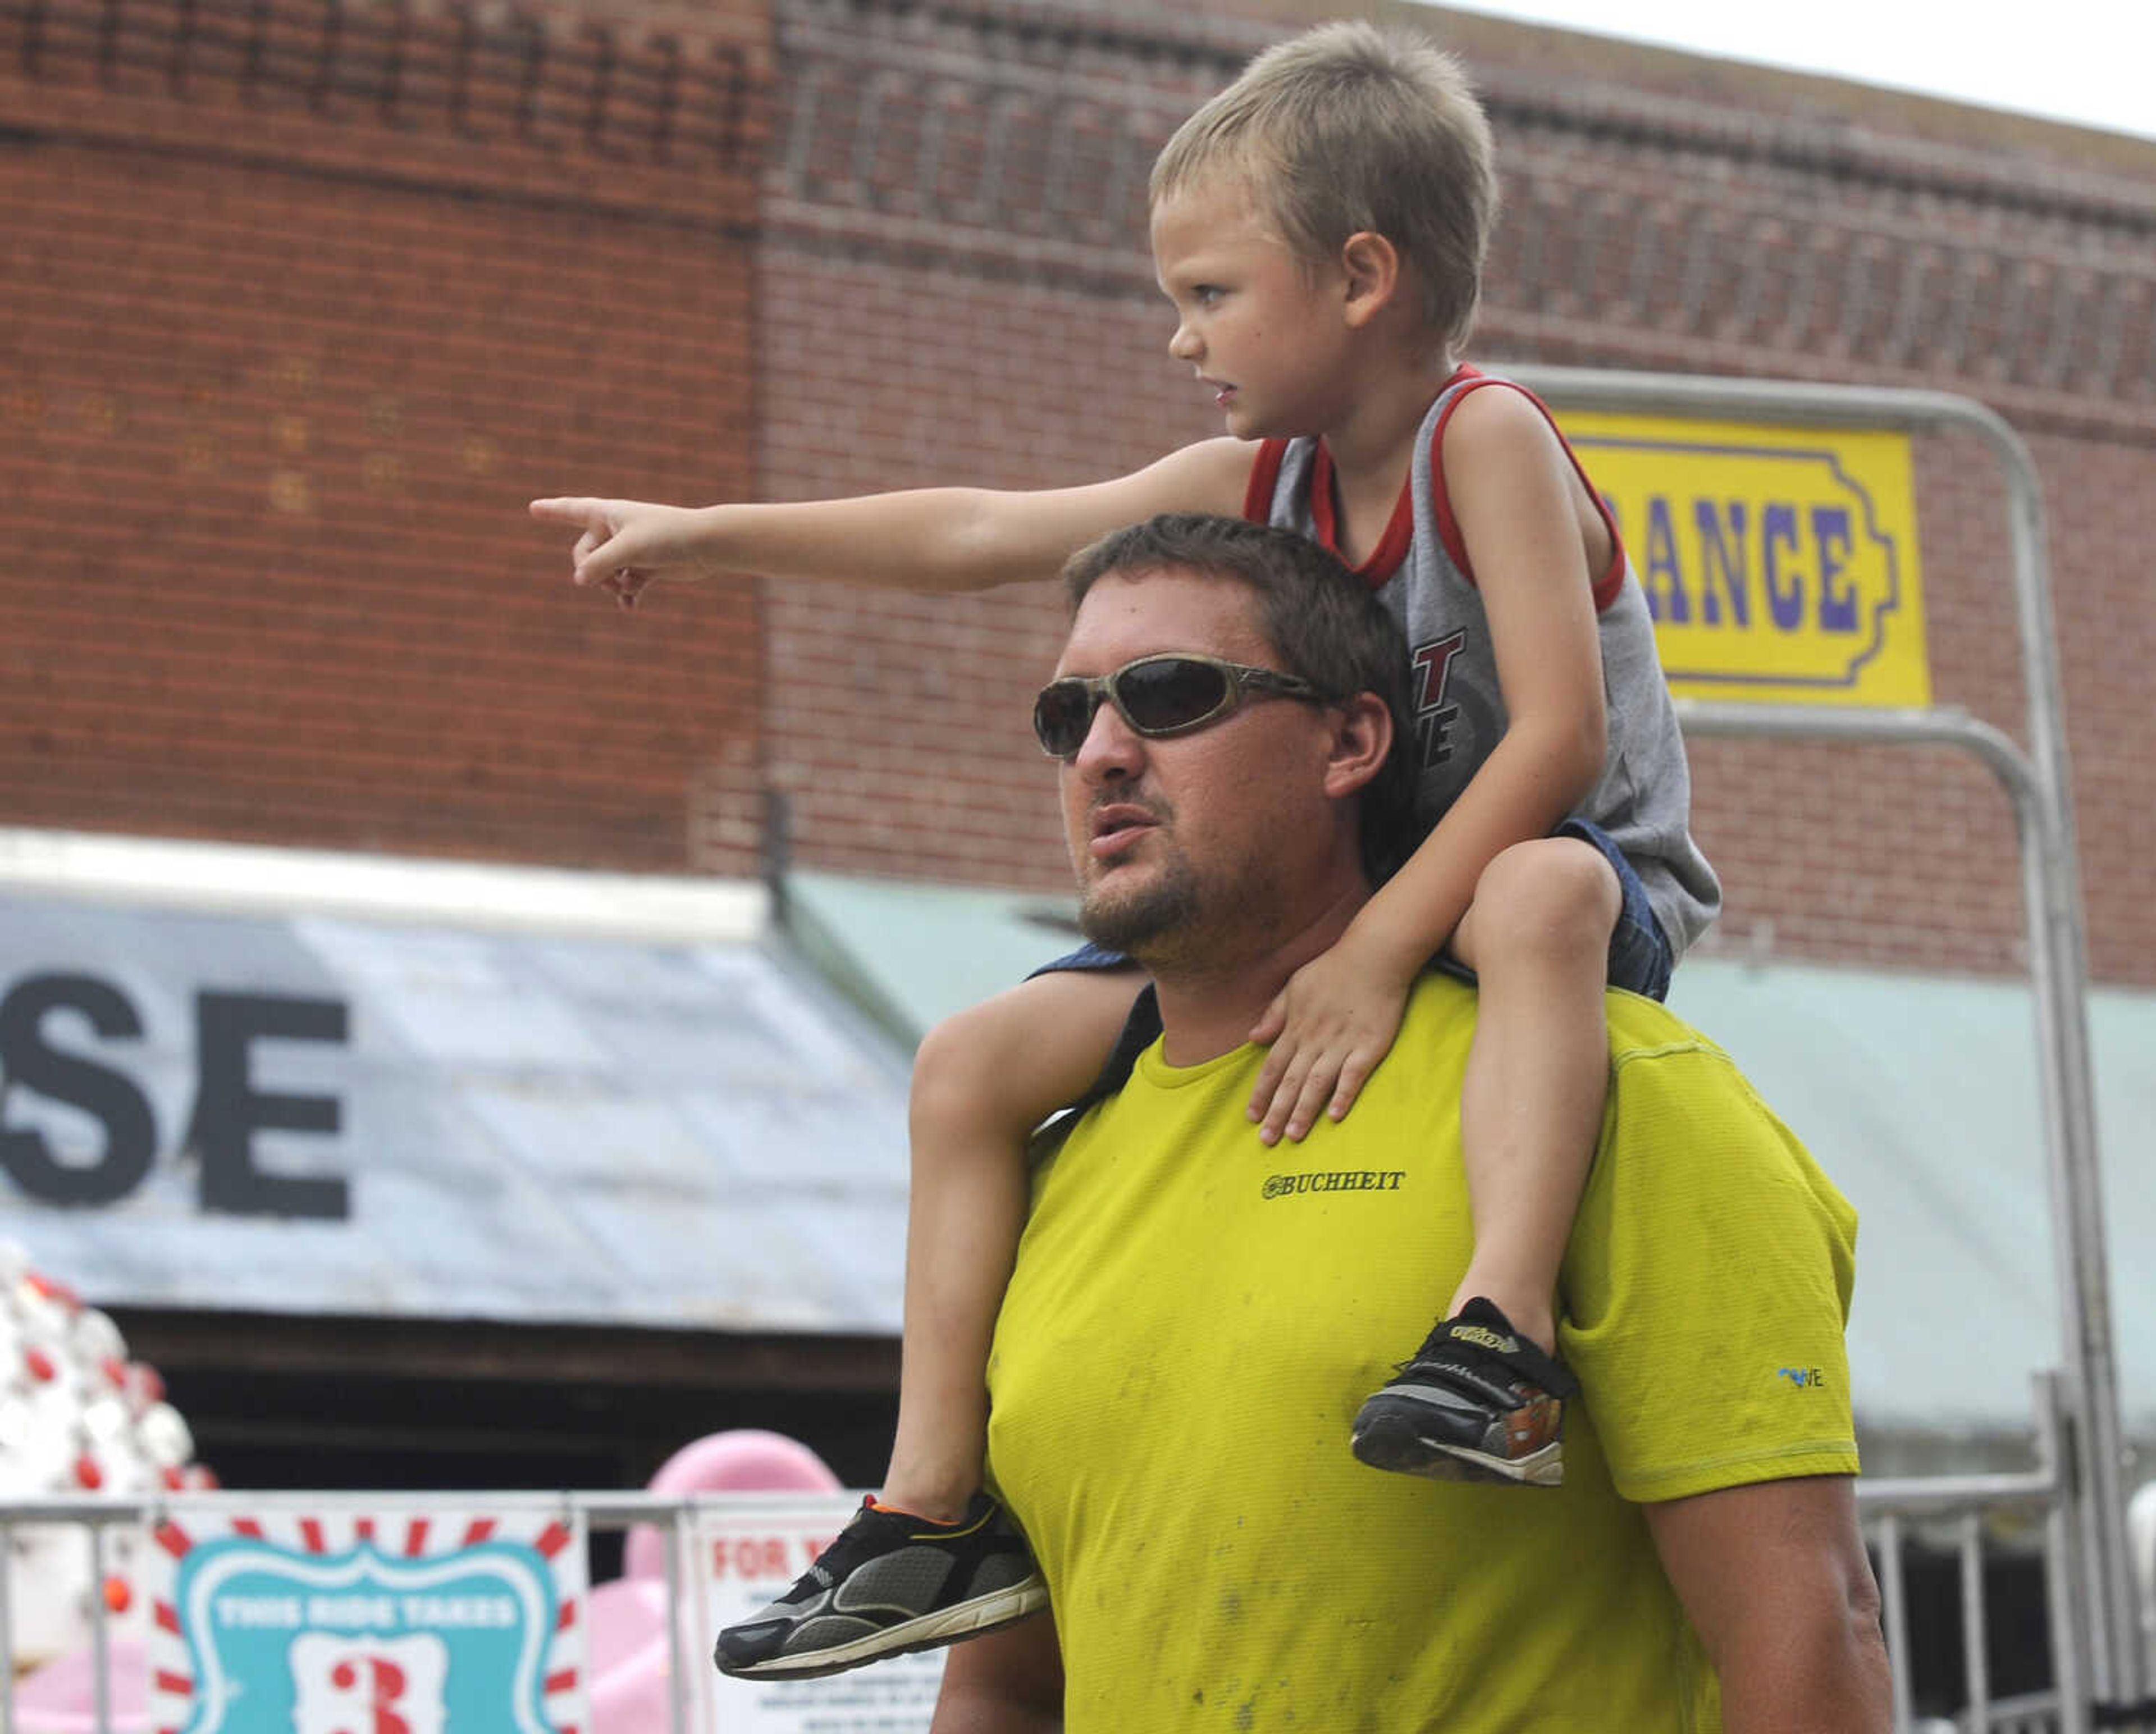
x: 1320, y: 227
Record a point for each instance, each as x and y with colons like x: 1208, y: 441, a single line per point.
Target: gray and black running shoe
x: 1478, y: 1401
x: 891, y: 1582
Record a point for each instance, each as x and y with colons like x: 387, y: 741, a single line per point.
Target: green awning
x: 1918, y: 1094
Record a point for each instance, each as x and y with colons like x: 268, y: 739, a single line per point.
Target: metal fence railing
x: 1971, y: 1517
x: 1962, y: 1511
x: 101, y: 1520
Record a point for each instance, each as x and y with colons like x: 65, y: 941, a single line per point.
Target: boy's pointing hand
x: 622, y: 545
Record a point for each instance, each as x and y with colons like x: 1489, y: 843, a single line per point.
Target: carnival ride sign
x: 1780, y: 563
x: 279, y: 1622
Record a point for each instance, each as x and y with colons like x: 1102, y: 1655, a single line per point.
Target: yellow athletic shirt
x: 1194, y: 1320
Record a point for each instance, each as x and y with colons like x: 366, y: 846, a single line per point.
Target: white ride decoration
x: 77, y: 1418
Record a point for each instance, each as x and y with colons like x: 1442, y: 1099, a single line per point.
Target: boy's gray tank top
x: 1643, y: 798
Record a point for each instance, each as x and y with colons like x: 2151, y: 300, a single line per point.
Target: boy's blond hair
x: 1347, y: 127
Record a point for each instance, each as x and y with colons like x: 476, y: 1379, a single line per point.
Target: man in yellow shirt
x: 1188, y: 1334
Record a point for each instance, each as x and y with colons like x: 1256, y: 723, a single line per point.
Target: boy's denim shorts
x: 1640, y: 957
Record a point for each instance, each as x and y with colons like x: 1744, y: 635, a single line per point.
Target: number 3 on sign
x: 369, y: 1685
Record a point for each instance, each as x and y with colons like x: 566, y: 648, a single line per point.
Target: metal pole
x: 2065, y: 1589
x: 101, y: 1636
x: 677, y: 1661
x: 1894, y: 1594
x: 2057, y: 949
x: 7, y: 1630
x: 1976, y: 1663
x: 2058, y: 963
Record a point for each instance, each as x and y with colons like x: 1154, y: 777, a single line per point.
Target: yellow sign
x: 1780, y: 563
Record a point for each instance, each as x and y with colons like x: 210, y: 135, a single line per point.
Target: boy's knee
x: 1004, y: 1065
x: 1554, y: 894
x: 955, y: 1068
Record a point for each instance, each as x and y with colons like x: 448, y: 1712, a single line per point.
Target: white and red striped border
x: 413, y: 1537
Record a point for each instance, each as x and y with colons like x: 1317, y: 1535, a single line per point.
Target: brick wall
x: 969, y: 226
x: 954, y: 288
x: 303, y: 300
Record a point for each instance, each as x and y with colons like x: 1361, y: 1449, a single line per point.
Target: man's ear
x: 1370, y: 268
x: 1361, y: 740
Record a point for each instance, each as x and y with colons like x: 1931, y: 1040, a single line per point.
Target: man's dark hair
x: 1323, y: 622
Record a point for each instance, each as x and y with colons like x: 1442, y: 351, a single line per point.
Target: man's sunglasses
x: 1157, y: 696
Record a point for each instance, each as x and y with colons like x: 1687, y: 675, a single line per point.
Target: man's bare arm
x: 1008, y: 1682
x: 1776, y: 1582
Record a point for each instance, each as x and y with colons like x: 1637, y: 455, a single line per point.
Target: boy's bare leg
x: 1538, y: 936
x: 982, y: 1081
x: 1475, y: 1402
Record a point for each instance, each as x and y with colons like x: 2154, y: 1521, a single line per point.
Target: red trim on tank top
x: 1392, y: 548
x: 1612, y: 581
x: 1265, y: 479
x: 1384, y: 559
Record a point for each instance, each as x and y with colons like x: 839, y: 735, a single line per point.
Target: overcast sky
x: 2088, y: 61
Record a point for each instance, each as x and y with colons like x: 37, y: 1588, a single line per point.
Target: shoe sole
x: 954, y: 1624
x: 1391, y: 1440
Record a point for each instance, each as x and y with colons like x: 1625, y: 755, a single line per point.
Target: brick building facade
x: 306, y: 297
x: 303, y: 300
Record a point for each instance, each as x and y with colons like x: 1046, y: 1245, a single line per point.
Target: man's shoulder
x: 1659, y: 1062
x: 1678, y: 1100
x: 1642, y: 1030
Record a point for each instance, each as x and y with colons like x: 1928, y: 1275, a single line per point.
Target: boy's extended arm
x: 923, y: 539
x: 1512, y: 493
